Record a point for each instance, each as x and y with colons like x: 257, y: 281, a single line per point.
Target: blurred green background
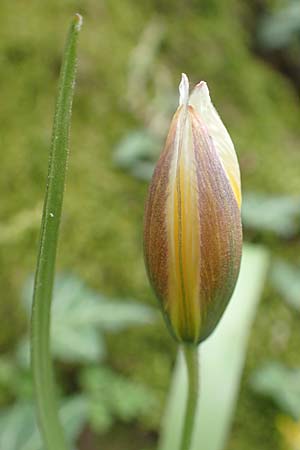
x: 131, y: 55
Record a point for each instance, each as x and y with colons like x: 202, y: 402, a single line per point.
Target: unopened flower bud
x: 192, y: 230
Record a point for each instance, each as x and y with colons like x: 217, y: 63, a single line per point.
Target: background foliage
x: 131, y: 56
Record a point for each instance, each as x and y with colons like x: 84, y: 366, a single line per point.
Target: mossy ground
x: 103, y: 210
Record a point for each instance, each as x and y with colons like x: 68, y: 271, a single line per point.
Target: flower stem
x: 44, y: 385
x: 192, y: 367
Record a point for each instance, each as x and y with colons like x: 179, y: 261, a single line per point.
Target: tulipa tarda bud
x: 192, y: 229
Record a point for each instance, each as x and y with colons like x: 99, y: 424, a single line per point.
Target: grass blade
x: 52, y: 432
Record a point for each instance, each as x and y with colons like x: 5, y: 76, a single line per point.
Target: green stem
x: 44, y: 385
x: 192, y: 366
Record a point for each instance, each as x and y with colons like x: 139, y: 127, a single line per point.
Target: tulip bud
x: 192, y: 229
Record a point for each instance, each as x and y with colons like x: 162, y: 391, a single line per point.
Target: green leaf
x: 17, y: 427
x: 279, y: 29
x: 286, y: 279
x: 111, y: 396
x: 41, y: 360
x: 19, y: 431
x: 14, y: 383
x: 136, y: 152
x: 281, y: 384
x: 222, y: 358
x: 79, y: 315
x: 280, y: 215
x: 9, y: 377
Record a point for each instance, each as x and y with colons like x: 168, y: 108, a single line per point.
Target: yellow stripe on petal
x: 183, y: 235
x: 200, y: 100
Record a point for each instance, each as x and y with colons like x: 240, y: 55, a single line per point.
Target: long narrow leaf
x: 222, y: 359
x: 44, y: 386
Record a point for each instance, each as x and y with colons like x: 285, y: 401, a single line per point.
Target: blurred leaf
x: 13, y: 381
x: 150, y: 91
x: 222, y: 358
x: 286, y: 279
x: 18, y: 429
x: 141, y: 63
x: 135, y: 153
x: 73, y: 416
x: 277, y: 30
x: 78, y: 317
x: 280, y: 215
x: 8, y: 376
x: 281, y: 384
x: 112, y: 396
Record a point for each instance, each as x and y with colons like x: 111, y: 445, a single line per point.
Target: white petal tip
x: 200, y: 96
x: 202, y: 86
x: 184, y: 90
